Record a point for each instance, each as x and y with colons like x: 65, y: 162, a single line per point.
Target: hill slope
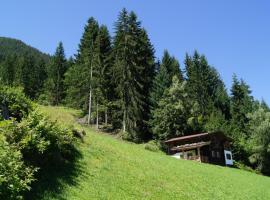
x: 10, y: 46
x: 114, y: 169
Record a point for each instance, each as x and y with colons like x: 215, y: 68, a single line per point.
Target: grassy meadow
x: 109, y: 168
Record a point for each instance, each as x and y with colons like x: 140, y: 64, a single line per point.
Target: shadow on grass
x: 51, y: 179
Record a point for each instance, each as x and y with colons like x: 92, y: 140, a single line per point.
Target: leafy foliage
x: 15, y: 176
x: 28, y: 141
x: 41, y: 142
x: 259, y: 143
x: 175, y: 115
x: 14, y: 104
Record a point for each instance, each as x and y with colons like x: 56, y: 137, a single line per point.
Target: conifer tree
x: 56, y: 70
x: 79, y: 77
x: 169, y: 67
x: 133, y: 71
x: 102, y: 63
x: 205, y: 86
x: 241, y: 103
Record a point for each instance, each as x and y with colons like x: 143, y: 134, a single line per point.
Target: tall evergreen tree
x: 56, y: 70
x: 241, y: 103
x: 206, y: 86
x: 103, y: 70
x: 79, y: 76
x: 169, y: 67
x: 133, y: 72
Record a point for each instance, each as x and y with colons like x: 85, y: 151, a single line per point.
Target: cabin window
x: 228, y: 156
x: 213, y: 154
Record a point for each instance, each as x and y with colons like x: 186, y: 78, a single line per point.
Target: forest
x: 122, y: 88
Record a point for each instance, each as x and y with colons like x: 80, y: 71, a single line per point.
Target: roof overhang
x: 190, y: 146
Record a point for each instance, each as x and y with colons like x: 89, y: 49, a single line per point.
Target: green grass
x: 113, y: 169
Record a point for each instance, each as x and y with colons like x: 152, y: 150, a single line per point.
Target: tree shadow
x: 52, y: 178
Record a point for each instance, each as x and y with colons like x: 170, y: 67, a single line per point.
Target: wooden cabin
x: 211, y: 148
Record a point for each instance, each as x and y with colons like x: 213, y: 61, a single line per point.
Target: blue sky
x: 234, y: 35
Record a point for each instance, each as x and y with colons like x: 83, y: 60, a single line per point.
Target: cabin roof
x: 191, y: 146
x: 195, y: 136
x: 186, y: 137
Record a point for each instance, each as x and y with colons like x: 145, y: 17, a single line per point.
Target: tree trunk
x: 57, y: 88
x: 106, y: 116
x: 90, y: 97
x: 97, y: 117
x: 89, y: 106
x: 124, y: 121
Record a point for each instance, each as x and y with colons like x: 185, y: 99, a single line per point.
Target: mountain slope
x: 115, y: 169
x: 9, y: 46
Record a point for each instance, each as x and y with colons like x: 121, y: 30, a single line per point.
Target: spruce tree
x: 205, y: 86
x: 133, y: 71
x: 56, y: 71
x: 79, y: 76
x: 169, y: 67
x: 241, y: 105
x: 103, y: 89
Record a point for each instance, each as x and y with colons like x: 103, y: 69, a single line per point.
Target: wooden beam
x: 199, y: 153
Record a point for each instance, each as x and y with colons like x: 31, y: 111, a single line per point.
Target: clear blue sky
x: 234, y: 35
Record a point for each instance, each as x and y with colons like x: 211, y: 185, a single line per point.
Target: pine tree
x: 206, y: 86
x: 56, y: 71
x: 264, y: 106
x: 133, y: 71
x: 103, y: 69
x: 241, y: 103
x: 169, y: 67
x: 79, y: 76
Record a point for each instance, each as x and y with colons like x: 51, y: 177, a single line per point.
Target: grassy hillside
x: 114, y: 169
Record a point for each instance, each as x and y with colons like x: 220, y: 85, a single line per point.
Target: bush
x: 15, y: 176
x: 242, y: 166
x: 28, y: 141
x: 41, y: 141
x: 152, y: 146
x: 13, y: 103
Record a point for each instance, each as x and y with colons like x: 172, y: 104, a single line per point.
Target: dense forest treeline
x: 120, y: 85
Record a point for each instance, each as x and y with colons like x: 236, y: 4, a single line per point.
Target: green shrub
x: 242, y: 166
x: 41, y: 141
x: 14, y: 103
x: 15, y: 176
x: 152, y: 146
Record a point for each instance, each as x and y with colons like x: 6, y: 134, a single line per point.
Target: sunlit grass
x: 115, y: 169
